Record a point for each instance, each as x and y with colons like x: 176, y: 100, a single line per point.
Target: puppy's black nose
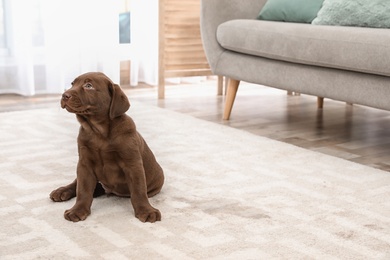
x: 66, y: 96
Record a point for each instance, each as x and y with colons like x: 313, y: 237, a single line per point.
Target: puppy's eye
x: 72, y: 83
x: 88, y: 86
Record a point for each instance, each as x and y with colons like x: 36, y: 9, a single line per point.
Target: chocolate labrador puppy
x: 113, y: 156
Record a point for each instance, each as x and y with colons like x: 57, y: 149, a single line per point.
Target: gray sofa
x: 350, y: 64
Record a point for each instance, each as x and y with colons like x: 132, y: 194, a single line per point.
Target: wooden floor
x: 356, y: 133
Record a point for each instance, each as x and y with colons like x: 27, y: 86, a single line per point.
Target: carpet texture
x: 228, y: 195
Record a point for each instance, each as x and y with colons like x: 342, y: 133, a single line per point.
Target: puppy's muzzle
x: 65, y: 98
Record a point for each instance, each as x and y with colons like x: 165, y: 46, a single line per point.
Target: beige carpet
x: 228, y: 195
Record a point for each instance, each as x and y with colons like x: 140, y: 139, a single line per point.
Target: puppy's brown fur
x: 112, y: 154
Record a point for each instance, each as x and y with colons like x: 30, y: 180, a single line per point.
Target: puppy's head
x: 94, y: 94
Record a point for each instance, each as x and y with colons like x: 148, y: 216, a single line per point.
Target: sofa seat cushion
x: 349, y: 48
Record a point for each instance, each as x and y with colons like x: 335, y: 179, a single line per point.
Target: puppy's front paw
x: 62, y: 194
x: 149, y: 215
x: 76, y: 214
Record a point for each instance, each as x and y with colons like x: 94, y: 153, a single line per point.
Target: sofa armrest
x: 215, y: 12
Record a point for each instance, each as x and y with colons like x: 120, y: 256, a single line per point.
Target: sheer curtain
x: 144, y: 43
x: 49, y: 42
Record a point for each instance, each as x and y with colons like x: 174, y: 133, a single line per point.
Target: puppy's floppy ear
x: 119, y: 102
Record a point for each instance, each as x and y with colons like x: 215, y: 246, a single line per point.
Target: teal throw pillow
x: 362, y: 13
x: 297, y: 11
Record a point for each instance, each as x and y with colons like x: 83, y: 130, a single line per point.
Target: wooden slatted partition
x: 181, y: 51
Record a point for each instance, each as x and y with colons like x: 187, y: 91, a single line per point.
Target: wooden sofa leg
x: 230, y: 97
x: 320, y: 102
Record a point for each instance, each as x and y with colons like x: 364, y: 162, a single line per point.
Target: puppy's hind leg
x: 64, y: 193
x: 69, y: 191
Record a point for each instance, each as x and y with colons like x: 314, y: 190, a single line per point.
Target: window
x: 124, y: 23
x: 124, y: 27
